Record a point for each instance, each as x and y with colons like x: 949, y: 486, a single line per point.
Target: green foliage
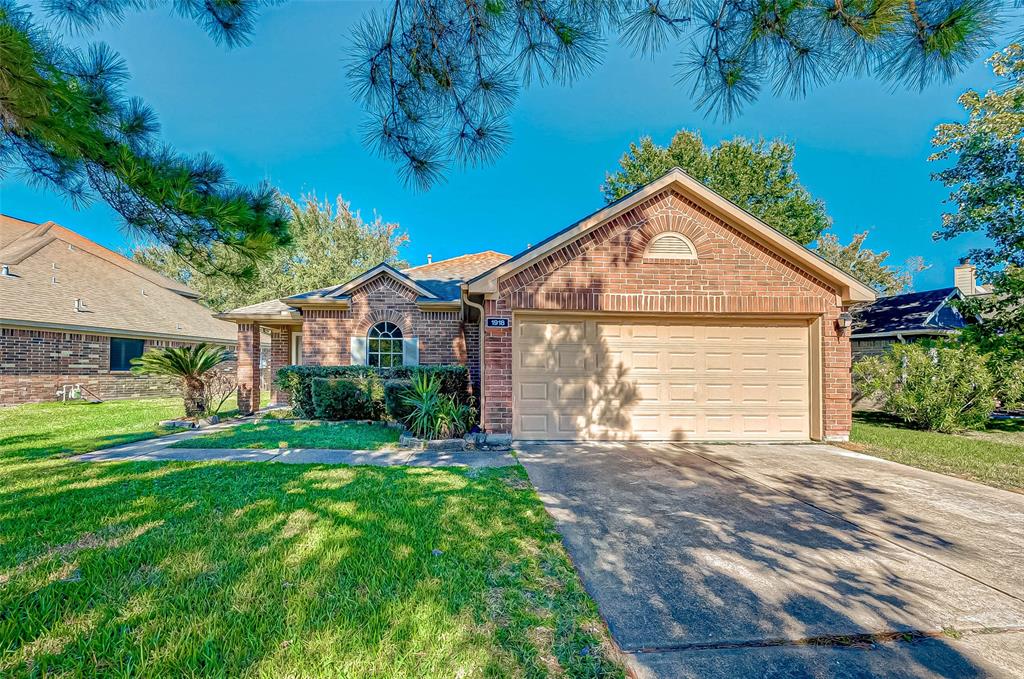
x: 297, y: 380
x: 868, y: 266
x: 434, y: 414
x: 757, y: 176
x: 948, y: 387
x: 341, y: 399
x: 987, y: 190
x: 67, y: 125
x: 394, y: 399
x: 189, y: 365
x: 330, y: 243
x: 439, y: 79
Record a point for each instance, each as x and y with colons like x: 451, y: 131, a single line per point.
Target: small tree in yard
x: 948, y: 388
x: 190, y: 366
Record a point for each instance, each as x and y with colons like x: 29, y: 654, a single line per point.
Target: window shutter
x: 411, y: 351
x: 357, y: 352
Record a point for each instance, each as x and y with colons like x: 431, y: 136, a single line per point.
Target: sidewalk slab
x: 201, y: 454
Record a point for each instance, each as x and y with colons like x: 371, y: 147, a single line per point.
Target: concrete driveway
x: 789, y: 560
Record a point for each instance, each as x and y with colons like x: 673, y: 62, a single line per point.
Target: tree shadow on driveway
x: 683, y: 554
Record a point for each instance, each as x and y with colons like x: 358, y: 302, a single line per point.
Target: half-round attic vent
x: 670, y: 246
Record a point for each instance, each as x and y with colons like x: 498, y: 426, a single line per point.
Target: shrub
x: 435, y: 415
x: 296, y: 380
x: 947, y: 387
x: 394, y: 399
x: 340, y: 399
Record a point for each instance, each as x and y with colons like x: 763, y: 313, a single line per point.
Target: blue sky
x: 281, y: 110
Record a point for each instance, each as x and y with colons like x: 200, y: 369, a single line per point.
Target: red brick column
x: 497, y: 348
x: 280, y: 356
x: 838, y: 378
x: 248, y: 368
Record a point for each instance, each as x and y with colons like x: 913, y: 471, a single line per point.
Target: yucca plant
x: 189, y: 366
x: 435, y: 415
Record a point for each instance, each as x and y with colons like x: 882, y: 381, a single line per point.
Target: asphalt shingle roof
x: 910, y: 311
x: 52, y: 267
x: 443, y: 278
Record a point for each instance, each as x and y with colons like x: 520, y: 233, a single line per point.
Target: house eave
x: 439, y: 305
x: 113, y: 332
x: 903, y: 333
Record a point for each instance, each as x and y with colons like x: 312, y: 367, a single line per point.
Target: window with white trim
x: 670, y: 245
x: 384, y: 346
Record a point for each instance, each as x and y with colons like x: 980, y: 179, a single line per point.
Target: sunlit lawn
x: 243, y: 569
x: 270, y: 434
x: 994, y: 456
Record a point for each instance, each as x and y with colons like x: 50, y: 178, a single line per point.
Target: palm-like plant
x: 189, y: 365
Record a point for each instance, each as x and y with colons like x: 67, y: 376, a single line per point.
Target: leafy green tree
x: 67, y: 125
x: 188, y: 365
x: 868, y: 266
x: 330, y: 244
x: 757, y: 176
x: 987, y: 194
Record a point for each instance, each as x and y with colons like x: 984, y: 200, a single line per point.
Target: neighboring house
x: 671, y: 314
x: 75, y: 313
x: 913, y: 316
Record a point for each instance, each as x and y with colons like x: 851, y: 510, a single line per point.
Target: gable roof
x: 20, y: 239
x: 52, y: 267
x: 851, y: 289
x: 926, y: 312
x: 340, y: 293
x: 434, y: 282
x: 444, y: 277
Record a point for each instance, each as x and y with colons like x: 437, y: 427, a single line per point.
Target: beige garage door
x: 620, y: 379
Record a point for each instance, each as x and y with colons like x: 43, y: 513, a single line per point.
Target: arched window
x: 384, y: 345
x: 670, y: 245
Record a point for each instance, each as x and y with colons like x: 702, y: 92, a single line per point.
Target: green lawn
x: 994, y: 457
x: 261, y: 570
x: 81, y: 427
x: 269, y: 434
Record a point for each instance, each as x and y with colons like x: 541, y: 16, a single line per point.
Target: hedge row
x: 374, y: 383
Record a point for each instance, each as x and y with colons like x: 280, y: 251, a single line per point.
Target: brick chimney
x: 964, y: 278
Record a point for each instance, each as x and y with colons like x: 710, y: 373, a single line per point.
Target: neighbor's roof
x: 911, y: 313
x: 52, y: 267
x: 851, y: 289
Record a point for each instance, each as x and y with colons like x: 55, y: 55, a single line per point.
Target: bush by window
x: 123, y: 350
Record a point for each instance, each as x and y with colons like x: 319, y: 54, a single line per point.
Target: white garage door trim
x: 652, y: 423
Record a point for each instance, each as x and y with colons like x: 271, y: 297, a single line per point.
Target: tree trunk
x: 195, y: 397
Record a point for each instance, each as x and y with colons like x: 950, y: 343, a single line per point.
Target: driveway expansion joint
x: 837, y: 640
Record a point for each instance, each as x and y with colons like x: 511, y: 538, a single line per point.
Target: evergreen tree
x: 67, y: 125
x: 757, y: 176
x: 330, y: 245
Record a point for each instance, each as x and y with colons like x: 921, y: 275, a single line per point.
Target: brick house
x: 75, y: 313
x: 671, y: 314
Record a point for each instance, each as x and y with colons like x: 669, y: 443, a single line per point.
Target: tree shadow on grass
x: 246, y: 569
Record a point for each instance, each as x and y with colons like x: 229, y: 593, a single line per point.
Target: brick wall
x: 327, y: 333
x: 35, y: 364
x: 280, y: 356
x: 605, y: 271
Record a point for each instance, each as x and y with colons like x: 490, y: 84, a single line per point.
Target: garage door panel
x: 618, y: 379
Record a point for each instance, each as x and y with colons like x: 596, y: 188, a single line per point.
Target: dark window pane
x: 122, y: 351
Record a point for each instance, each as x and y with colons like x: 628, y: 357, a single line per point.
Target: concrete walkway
x: 159, y: 449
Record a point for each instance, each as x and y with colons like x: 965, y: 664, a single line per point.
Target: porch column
x: 248, y: 368
x: 280, y: 356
